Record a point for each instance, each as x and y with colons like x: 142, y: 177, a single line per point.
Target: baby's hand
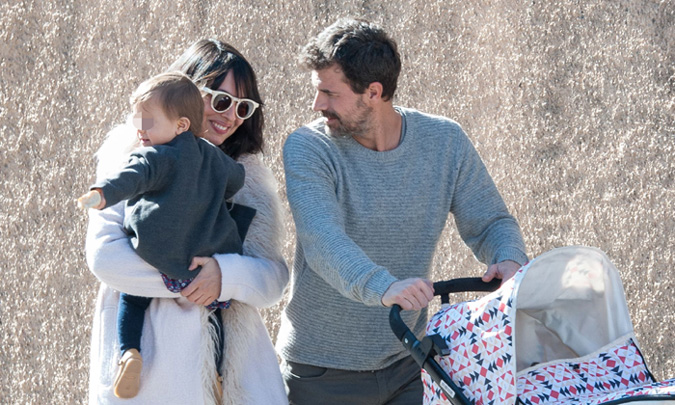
x: 90, y: 200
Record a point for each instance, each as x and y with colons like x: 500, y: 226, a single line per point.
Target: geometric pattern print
x: 614, y: 374
x: 479, y: 335
x: 661, y: 390
x: 482, y: 361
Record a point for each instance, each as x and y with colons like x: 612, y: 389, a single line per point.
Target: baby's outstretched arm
x: 93, y: 199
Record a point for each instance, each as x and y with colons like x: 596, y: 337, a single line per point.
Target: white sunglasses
x: 222, y: 101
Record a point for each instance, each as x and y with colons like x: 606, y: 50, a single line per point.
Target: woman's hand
x: 205, y: 288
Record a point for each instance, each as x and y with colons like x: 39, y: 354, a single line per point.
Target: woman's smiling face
x: 220, y: 126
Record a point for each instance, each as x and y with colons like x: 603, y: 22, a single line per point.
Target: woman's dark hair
x: 363, y: 51
x: 207, y: 62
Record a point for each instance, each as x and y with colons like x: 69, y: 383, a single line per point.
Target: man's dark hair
x: 363, y: 51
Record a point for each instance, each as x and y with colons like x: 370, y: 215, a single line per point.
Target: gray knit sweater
x: 365, y: 219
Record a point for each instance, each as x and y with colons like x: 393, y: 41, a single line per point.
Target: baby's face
x: 154, y: 127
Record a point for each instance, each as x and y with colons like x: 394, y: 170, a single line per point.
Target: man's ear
x: 374, y: 91
x: 183, y: 125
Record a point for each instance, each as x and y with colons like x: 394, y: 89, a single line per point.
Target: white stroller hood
x: 558, y: 332
x: 570, y: 304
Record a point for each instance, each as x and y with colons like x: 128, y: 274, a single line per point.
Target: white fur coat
x: 177, y: 347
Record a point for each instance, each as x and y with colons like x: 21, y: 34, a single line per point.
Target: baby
x: 176, y: 187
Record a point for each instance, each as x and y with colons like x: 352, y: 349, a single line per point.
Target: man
x: 370, y: 187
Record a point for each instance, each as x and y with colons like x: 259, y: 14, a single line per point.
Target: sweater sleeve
x: 482, y: 218
x: 144, y: 172
x: 311, y: 188
x: 112, y: 259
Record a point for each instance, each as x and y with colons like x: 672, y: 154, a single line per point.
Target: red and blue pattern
x: 480, y: 337
x: 610, y: 375
x: 482, y: 361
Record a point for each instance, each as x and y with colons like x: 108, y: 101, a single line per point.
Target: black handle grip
x: 456, y: 285
x: 467, y: 284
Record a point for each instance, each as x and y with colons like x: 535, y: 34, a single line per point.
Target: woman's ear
x: 182, y: 125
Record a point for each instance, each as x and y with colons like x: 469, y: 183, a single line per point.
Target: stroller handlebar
x: 467, y: 284
x: 424, y: 351
x: 443, y: 289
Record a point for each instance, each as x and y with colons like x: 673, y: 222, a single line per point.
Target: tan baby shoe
x: 218, y: 388
x: 128, y: 379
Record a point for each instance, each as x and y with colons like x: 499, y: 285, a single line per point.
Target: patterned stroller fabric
x: 558, y: 332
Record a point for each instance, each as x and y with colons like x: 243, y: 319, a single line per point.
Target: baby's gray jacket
x: 177, y: 196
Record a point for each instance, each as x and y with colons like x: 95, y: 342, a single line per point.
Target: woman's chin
x: 216, y: 135
x: 215, y: 138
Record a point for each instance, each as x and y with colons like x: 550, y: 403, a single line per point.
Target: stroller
x: 558, y: 332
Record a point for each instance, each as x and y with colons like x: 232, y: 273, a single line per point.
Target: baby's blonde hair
x: 176, y: 94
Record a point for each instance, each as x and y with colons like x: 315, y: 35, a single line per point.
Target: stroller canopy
x: 569, y: 303
x: 559, y: 331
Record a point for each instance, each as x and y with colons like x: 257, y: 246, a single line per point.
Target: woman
x: 181, y: 342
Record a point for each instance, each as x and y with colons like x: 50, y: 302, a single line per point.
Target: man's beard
x: 356, y: 128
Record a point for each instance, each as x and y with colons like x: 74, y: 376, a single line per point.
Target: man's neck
x: 385, y: 131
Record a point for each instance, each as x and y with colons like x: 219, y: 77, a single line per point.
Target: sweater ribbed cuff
x: 375, y: 288
x: 510, y: 253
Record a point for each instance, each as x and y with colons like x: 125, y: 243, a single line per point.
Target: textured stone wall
x: 570, y: 103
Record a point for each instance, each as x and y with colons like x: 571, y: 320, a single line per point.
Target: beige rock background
x: 570, y: 103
